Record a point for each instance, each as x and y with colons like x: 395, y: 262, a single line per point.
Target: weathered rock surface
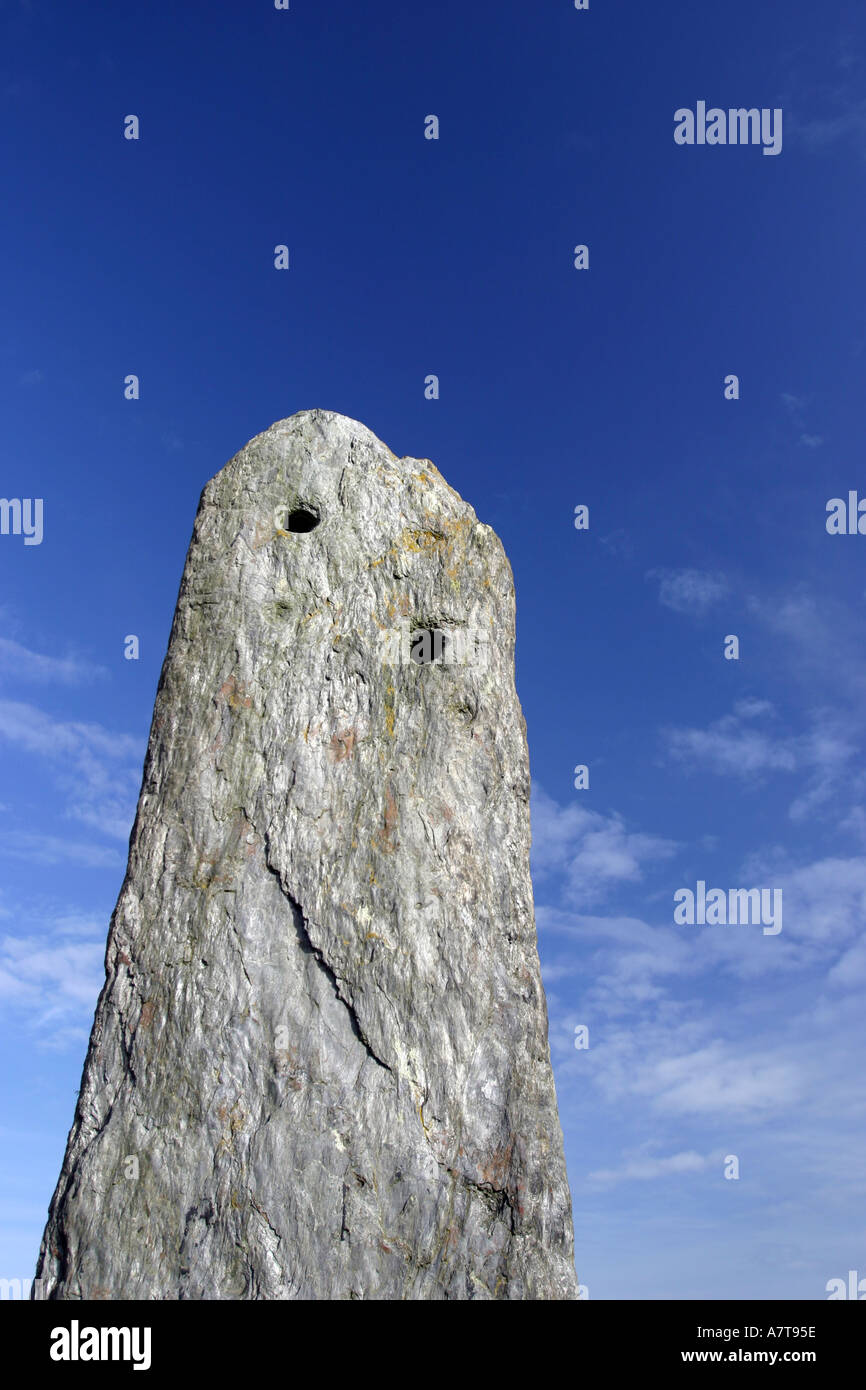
x: 319, y: 1065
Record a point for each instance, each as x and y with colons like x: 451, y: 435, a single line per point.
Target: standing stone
x: 319, y: 1066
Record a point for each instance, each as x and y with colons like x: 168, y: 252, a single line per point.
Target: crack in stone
x: 308, y: 945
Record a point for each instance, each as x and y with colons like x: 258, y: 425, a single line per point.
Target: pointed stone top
x: 318, y: 445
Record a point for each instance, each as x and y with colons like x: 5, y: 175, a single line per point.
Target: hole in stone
x: 427, y: 644
x: 302, y: 519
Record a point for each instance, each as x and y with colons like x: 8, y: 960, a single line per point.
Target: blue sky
x: 557, y: 387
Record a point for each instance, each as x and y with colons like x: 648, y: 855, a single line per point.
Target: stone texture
x: 319, y: 1065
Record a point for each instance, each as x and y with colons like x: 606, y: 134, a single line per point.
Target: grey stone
x: 319, y: 1066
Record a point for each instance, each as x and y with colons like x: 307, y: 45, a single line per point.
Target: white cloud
x: 719, y: 1080
x: 71, y: 971
x: 821, y: 132
x: 647, y: 1169
x: 825, y: 901
x: 25, y: 665
x: 689, y: 591
x: 50, y: 980
x: 727, y: 748
x: 734, y: 746
x: 819, y: 644
x: 849, y: 972
x: 618, y: 543
x: 594, y: 851
x: 51, y: 849
x: 98, y: 770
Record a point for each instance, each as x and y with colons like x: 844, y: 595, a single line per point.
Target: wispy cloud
x: 731, y: 745
x: 645, y: 1169
x: 796, y: 408
x: 618, y: 543
x: 52, y: 849
x: 801, y: 638
x: 24, y: 665
x: 99, y: 771
x: 50, y: 978
x: 689, y: 591
x: 595, y: 852
x: 844, y: 126
x: 38, y: 732
x: 795, y: 405
x: 719, y: 1079
x: 747, y: 743
x: 825, y: 900
x: 849, y: 972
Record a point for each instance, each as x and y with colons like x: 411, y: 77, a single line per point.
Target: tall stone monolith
x: 319, y: 1066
